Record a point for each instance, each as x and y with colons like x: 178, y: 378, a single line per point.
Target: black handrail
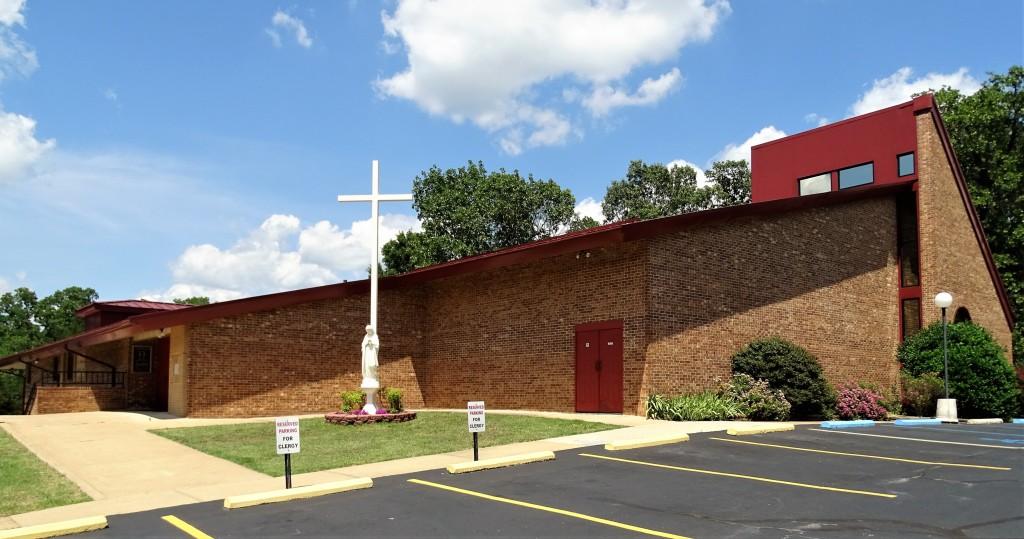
x: 87, y: 378
x: 27, y: 406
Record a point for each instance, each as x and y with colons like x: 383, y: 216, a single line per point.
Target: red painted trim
x: 965, y: 197
x: 595, y: 326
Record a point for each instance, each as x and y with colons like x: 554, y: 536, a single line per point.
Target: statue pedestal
x: 370, y: 388
x: 945, y: 410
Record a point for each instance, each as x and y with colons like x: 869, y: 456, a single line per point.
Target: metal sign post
x: 477, y: 424
x: 287, y: 430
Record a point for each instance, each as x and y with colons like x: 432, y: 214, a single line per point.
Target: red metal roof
x: 127, y: 305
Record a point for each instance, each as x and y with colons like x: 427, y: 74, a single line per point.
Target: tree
x: 18, y: 330
x: 987, y: 132
x: 655, y: 190
x: 731, y: 182
x: 468, y: 210
x: 193, y: 300
x: 582, y: 222
x: 56, y: 312
x: 27, y: 322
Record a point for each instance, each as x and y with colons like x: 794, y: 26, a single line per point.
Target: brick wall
x: 951, y: 259
x: 299, y: 359
x: 55, y: 400
x: 506, y: 336
x: 822, y: 278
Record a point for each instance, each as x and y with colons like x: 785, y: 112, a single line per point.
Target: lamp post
x: 946, y: 408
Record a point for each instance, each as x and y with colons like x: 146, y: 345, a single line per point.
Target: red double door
x: 599, y: 367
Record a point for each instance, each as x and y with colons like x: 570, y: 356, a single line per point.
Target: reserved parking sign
x: 287, y: 435
x: 477, y: 420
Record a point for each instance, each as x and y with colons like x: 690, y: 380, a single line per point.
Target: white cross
x: 374, y: 198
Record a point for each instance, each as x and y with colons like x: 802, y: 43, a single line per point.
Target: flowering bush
x: 756, y: 399
x: 859, y: 403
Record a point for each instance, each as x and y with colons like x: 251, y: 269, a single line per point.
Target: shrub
x: 352, y: 400
x: 706, y: 406
x: 756, y: 399
x: 859, y: 403
x: 790, y: 368
x: 393, y: 396
x: 920, y: 393
x: 980, y: 378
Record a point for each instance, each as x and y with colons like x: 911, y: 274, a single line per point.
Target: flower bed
x: 346, y: 418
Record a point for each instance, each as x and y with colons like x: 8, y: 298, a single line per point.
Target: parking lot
x: 885, y: 481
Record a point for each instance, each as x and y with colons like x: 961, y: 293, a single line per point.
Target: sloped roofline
x: 591, y: 238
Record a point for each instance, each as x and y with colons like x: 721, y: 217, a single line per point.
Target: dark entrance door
x: 599, y: 367
x: 161, y: 361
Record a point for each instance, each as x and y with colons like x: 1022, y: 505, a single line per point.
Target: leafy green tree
x: 18, y: 329
x: 468, y: 210
x: 730, y: 181
x: 56, y: 312
x: 582, y: 223
x: 987, y: 132
x: 654, y: 190
x: 193, y: 300
x: 27, y: 322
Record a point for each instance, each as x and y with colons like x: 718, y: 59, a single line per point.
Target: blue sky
x: 168, y: 149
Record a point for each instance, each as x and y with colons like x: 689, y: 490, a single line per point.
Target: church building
x: 853, y: 229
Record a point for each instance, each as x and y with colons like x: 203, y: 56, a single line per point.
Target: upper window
x: 906, y: 164
x: 142, y: 359
x: 822, y: 183
x: 858, y: 175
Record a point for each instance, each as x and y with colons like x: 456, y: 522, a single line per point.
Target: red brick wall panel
x: 56, y: 400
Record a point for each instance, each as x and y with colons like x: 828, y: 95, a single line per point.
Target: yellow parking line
x: 554, y: 510
x: 862, y: 455
x: 918, y: 439
x: 186, y: 527
x: 740, y: 476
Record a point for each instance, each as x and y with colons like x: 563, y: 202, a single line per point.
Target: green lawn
x: 28, y: 484
x: 326, y: 446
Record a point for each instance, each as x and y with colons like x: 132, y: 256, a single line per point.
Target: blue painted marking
x: 914, y: 422
x: 1017, y: 421
x: 847, y: 424
x: 956, y: 428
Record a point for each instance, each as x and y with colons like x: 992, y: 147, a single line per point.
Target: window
x: 858, y: 175
x: 911, y: 311
x: 905, y: 164
x: 822, y: 183
x: 906, y: 237
x: 142, y: 358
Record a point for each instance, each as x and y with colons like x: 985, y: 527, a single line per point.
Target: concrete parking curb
x: 56, y: 529
x: 646, y: 442
x: 743, y: 431
x: 311, y: 491
x: 500, y: 462
x: 985, y: 421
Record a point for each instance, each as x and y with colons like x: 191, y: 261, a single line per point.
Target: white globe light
x: 943, y: 300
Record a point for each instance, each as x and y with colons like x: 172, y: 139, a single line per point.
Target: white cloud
x: 489, y: 62
x: 605, y: 98
x: 588, y: 207
x: 4, y: 285
x: 291, y: 24
x: 19, y: 147
x: 10, y: 12
x: 110, y: 94
x: 816, y: 119
x: 16, y: 57
x: 702, y: 180
x: 900, y: 87
x: 733, y: 152
x: 279, y: 255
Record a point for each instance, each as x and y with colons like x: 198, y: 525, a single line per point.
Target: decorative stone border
x: 343, y: 418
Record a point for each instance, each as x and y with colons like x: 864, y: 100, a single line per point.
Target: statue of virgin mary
x: 371, y: 344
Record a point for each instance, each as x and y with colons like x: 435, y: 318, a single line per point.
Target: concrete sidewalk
x: 126, y: 469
